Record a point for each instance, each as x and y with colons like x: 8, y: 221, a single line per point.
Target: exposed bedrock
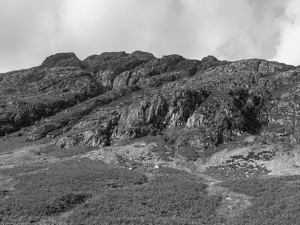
x: 116, y: 96
x: 27, y: 96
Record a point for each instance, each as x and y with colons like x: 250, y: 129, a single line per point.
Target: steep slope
x: 112, y: 97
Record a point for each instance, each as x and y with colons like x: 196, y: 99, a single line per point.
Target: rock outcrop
x: 194, y: 105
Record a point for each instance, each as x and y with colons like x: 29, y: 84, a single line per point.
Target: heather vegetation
x: 103, y: 194
x: 274, y: 200
x: 50, y: 190
x: 164, y: 200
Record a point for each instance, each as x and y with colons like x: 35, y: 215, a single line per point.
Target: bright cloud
x: 231, y: 29
x: 289, y: 48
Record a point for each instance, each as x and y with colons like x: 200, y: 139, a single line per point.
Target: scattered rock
x: 249, y: 139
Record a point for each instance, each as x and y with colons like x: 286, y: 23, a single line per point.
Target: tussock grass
x: 166, y: 199
x: 61, y: 187
x: 275, y: 200
x: 98, y: 193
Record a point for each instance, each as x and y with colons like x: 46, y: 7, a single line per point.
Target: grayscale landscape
x: 123, y: 138
x: 149, y: 112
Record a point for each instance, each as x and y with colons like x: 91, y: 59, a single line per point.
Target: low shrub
x: 275, y: 200
x: 61, y: 186
x: 65, y: 203
x: 164, y: 200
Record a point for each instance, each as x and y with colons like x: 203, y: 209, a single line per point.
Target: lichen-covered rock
x: 158, y: 111
x: 225, y: 115
x: 284, y: 115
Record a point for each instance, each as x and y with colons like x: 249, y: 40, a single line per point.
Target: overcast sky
x: 31, y: 30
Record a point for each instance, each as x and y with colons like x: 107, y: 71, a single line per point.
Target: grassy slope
x: 105, y: 194
x: 60, y: 187
x: 164, y: 200
x: 97, y: 193
x: 275, y: 200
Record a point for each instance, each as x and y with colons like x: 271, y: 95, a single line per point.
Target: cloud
x: 26, y: 31
x: 194, y: 28
x: 231, y: 29
x: 288, y: 48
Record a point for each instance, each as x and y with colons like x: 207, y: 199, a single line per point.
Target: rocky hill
x: 112, y: 97
x: 124, y: 138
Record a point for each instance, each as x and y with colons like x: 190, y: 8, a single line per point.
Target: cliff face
x: 195, y: 105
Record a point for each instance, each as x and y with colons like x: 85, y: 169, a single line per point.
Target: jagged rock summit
x: 194, y: 105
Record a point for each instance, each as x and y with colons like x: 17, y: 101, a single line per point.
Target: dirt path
x: 233, y: 203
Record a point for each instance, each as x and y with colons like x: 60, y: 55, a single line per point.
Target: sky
x: 31, y: 30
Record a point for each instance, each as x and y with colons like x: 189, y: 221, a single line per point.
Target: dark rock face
x: 29, y: 95
x: 157, y: 71
x: 107, y: 66
x: 63, y: 59
x: 112, y: 97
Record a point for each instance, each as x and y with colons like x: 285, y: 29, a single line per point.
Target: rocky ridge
x: 194, y: 106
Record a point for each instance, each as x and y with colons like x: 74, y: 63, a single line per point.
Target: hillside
x: 124, y: 138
